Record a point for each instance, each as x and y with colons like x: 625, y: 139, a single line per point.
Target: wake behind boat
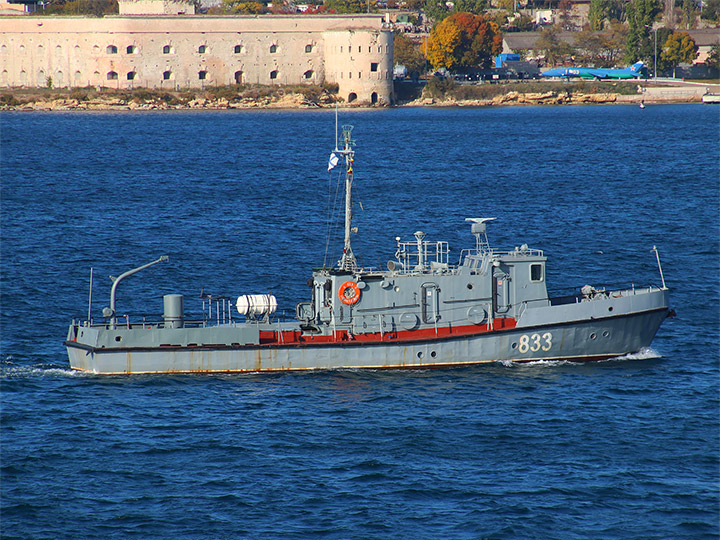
x: 422, y: 311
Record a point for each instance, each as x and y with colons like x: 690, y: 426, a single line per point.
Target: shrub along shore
x: 437, y: 92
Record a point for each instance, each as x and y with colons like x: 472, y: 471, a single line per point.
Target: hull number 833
x: 535, y: 342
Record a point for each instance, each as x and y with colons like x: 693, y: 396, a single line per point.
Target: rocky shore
x: 279, y: 99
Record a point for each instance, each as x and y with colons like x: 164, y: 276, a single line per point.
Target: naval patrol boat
x: 421, y: 311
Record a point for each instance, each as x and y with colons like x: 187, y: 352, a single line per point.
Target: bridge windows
x: 536, y: 272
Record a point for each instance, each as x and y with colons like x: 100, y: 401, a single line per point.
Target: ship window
x: 536, y: 272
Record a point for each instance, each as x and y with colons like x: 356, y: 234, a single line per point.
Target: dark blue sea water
x: 625, y: 449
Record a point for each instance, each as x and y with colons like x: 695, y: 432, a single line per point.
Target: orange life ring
x: 349, y: 293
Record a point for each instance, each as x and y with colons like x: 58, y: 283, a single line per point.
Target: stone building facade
x: 196, y: 51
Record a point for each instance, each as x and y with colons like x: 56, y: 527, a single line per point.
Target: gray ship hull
x: 423, y: 311
x: 592, y: 339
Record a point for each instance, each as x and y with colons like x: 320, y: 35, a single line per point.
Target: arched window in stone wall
x: 167, y: 49
x: 308, y: 74
x: 4, y: 77
x: 58, y: 50
x: 112, y: 76
x: 78, y: 79
x: 22, y: 49
x: 308, y: 48
x: 96, y: 50
x: 41, y: 51
x: 131, y: 49
x: 42, y: 78
x: 23, y: 77
x: 131, y: 75
x: 238, y: 77
x: 202, y: 49
x: 111, y: 49
x: 59, y: 79
x: 352, y: 97
x: 373, y: 98
x: 274, y: 74
x: 273, y: 48
x: 238, y: 49
x: 167, y: 75
x: 202, y: 75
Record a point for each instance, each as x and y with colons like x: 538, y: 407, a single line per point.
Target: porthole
x: 118, y: 338
x: 420, y: 355
x: 606, y: 334
x: 593, y: 335
x: 433, y: 354
x: 397, y: 289
x: 513, y: 346
x: 610, y: 308
x: 470, y: 286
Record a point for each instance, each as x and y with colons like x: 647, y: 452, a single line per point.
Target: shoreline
x: 49, y: 100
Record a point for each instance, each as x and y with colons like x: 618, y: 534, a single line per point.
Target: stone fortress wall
x: 197, y: 51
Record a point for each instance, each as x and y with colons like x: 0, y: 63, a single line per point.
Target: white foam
x: 646, y: 353
x: 13, y: 372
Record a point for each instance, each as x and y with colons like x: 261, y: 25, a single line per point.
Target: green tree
x: 641, y: 15
x: 711, y: 11
x: 689, y: 11
x: 464, y: 40
x: 713, y: 60
x: 345, y: 6
x: 409, y: 53
x: 552, y: 47
x: 470, y: 6
x: 680, y: 48
x: 602, y: 12
x: 436, y: 10
x: 97, y: 8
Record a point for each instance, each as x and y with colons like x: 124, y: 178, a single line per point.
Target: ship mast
x: 347, y: 261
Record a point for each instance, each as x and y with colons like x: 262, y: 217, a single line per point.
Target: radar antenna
x: 479, y: 229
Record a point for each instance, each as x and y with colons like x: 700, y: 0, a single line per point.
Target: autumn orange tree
x: 464, y: 40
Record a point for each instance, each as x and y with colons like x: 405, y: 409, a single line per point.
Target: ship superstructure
x: 423, y: 310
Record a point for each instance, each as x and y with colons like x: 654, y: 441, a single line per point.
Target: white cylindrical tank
x: 256, y: 304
